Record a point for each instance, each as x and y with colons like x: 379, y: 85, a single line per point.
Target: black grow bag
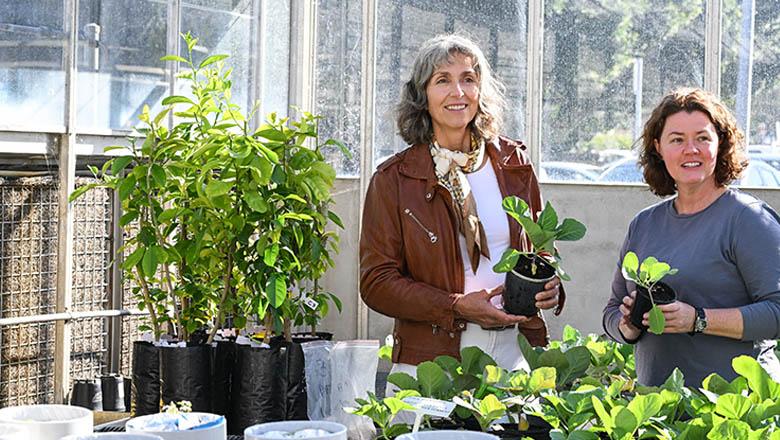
x: 221, y: 376
x: 297, y: 405
x: 113, y: 387
x: 87, y: 394
x: 185, y: 374
x: 145, y: 381
x: 259, y: 390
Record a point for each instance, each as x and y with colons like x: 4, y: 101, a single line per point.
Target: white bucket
x: 48, y: 422
x: 139, y: 425
x: 10, y: 432
x: 337, y: 431
x: 113, y: 436
x: 447, y: 435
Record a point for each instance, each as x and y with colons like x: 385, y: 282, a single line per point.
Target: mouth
x: 692, y: 164
x: 455, y: 107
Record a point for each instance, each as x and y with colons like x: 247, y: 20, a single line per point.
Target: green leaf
x: 270, y: 255
x: 127, y: 218
x: 217, y: 188
x: 432, y: 379
x: 508, y: 261
x: 729, y: 430
x: 733, y: 406
x: 403, y: 381
x: 120, y: 163
x: 645, y: 406
x: 256, y: 202
x: 177, y: 99
x: 395, y: 405
x: 133, y: 259
x: 474, y: 360
x: 448, y: 364
x: 491, y: 406
x: 657, y: 320
x: 542, y: 378
x: 631, y: 265
x: 126, y: 186
x: 570, y: 230
x: 150, y: 261
x: 276, y: 291
x: 757, y: 377
x: 173, y: 58
x: 158, y: 174
x: 335, y: 219
x: 211, y: 60
x: 625, y: 422
x: 548, y: 219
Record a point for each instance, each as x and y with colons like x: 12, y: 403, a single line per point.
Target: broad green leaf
x: 645, y: 406
x: 529, y: 353
x: 657, y: 320
x: 474, y: 360
x: 255, y: 201
x: 150, y: 261
x: 395, y: 405
x: 570, y: 230
x: 493, y: 374
x: 542, y: 378
x: 733, y: 406
x: 158, y: 174
x: 757, y: 377
x: 127, y: 218
x: 432, y: 379
x: 729, y: 430
x: 276, y: 291
x: 403, y: 381
x: 490, y: 405
x: 631, y: 263
x: 270, y: 255
x: 625, y: 422
x: 126, y: 186
x: 120, y: 163
x: 548, y: 219
x: 507, y: 262
x: 606, y: 418
x: 217, y: 188
x: 133, y: 259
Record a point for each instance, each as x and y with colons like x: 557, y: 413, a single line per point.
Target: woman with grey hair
x: 433, y: 225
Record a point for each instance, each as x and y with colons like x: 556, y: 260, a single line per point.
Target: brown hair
x: 731, y: 159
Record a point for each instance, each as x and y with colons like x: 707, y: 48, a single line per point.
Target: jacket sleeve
x: 384, y: 284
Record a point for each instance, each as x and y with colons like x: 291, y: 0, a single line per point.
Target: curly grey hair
x: 414, y: 121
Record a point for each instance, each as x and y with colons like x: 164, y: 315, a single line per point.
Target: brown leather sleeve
x: 384, y: 286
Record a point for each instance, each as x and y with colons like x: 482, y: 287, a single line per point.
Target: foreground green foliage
x: 585, y: 388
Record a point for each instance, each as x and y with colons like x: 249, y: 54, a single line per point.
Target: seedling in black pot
x: 528, y: 272
x: 650, y: 291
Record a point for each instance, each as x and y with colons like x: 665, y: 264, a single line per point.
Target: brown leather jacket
x: 410, y: 262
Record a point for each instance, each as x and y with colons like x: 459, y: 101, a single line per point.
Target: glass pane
x: 607, y: 63
x: 499, y: 27
x: 32, y: 80
x: 750, y: 78
x: 222, y: 27
x: 339, y: 52
x: 119, y: 67
x: 276, y: 58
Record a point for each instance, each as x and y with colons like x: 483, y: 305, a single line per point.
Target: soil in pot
x: 145, y: 379
x: 524, y: 282
x: 662, y: 294
x: 538, y: 429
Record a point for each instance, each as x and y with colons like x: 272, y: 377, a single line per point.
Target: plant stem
x: 287, y: 329
x: 149, y: 304
x: 268, y: 322
x: 225, y: 291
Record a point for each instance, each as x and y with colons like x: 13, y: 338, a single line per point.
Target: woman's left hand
x: 548, y: 298
x: 679, y: 317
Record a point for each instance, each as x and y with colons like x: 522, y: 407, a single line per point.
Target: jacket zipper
x: 431, y: 235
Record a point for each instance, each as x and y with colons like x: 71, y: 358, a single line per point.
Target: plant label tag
x: 310, y: 303
x: 431, y: 407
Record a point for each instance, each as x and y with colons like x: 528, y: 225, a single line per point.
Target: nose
x: 691, y: 146
x: 457, y: 89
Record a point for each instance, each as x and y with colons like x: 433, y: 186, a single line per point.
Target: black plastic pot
x: 523, y: 283
x: 128, y: 384
x: 222, y: 373
x: 259, y: 390
x: 538, y: 429
x: 185, y: 374
x: 145, y: 379
x: 662, y: 294
x: 297, y: 403
x: 113, y: 387
x: 87, y: 394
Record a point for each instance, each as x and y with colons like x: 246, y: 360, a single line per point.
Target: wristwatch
x: 700, y: 322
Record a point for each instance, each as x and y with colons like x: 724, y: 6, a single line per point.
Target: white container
x: 447, y: 435
x: 48, y: 422
x: 337, y: 431
x: 139, y: 425
x: 113, y: 436
x: 10, y: 432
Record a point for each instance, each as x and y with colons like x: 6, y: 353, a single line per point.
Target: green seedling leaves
x: 657, y: 320
x: 432, y: 379
x: 758, y: 379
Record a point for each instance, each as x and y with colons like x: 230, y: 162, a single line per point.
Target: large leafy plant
x: 647, y: 275
x: 542, y: 232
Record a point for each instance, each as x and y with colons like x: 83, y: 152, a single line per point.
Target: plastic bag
x: 336, y: 374
x: 146, y: 379
x: 185, y: 373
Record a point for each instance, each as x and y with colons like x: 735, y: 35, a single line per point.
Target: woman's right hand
x: 627, y: 329
x: 476, y: 307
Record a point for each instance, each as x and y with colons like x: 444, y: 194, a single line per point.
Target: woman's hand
x: 627, y: 329
x: 476, y: 307
x: 548, y: 298
x: 679, y: 317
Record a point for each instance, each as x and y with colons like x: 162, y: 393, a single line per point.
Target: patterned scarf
x: 451, y: 168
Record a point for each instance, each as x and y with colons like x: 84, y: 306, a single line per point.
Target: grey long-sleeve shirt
x: 728, y: 256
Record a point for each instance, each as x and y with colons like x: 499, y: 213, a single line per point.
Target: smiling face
x: 689, y: 147
x: 453, y: 97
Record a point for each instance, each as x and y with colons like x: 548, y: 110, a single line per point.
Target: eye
x: 441, y: 80
x: 676, y: 140
x: 703, y: 138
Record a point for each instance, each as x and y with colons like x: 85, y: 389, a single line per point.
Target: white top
x: 487, y: 195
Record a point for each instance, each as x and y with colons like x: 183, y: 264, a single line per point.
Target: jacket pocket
x: 432, y: 237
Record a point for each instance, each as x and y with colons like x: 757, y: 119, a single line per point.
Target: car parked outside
x: 569, y: 171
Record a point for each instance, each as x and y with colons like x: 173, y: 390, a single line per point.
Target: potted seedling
x: 528, y: 271
x: 650, y: 291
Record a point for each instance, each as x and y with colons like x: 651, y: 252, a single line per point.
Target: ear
x: 657, y: 147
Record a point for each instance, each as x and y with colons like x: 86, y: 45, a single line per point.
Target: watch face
x: 701, y: 322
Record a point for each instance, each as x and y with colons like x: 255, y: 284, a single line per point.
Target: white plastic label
x: 431, y: 407
x: 310, y: 303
